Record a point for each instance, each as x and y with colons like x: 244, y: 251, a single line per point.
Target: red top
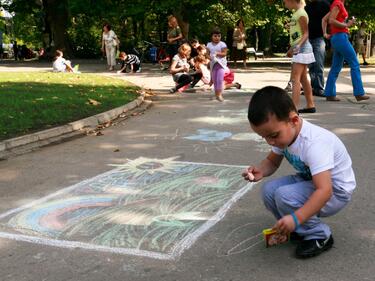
x: 341, y: 17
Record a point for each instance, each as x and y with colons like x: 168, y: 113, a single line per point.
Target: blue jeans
x: 342, y: 49
x: 316, y: 69
x: 285, y: 195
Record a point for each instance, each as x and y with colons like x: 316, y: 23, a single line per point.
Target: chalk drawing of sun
x: 141, y: 165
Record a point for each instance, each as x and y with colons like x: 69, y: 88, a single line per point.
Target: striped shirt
x: 132, y: 59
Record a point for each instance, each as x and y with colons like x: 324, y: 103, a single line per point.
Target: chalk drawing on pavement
x: 261, y: 144
x: 147, y: 207
x: 249, y: 238
x: 207, y: 135
x: 213, y: 140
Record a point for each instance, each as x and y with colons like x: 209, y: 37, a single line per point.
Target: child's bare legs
x: 297, y: 70
x: 218, y: 81
x: 307, y: 89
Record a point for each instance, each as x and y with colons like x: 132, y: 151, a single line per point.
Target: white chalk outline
x: 174, y: 254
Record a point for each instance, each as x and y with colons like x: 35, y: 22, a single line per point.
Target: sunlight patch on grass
x: 36, y: 101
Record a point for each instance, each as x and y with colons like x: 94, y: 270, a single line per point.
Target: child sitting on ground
x: 129, y: 60
x: 180, y: 70
x: 200, y: 63
x: 228, y: 80
x: 62, y: 65
x: 324, y: 181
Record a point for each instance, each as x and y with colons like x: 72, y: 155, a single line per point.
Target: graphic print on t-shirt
x: 298, y: 164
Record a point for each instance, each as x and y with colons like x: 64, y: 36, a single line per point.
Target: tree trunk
x: 182, y: 17
x: 184, y: 25
x: 56, y: 17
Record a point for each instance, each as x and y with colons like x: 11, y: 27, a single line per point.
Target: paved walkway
x: 193, y: 129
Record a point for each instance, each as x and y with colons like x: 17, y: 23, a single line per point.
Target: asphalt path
x: 229, y: 250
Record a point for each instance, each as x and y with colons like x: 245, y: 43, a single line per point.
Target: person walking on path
x: 360, y: 42
x: 316, y: 10
x: 109, y: 45
x: 342, y: 50
x: 301, y: 53
x: 324, y: 179
x: 174, y: 36
x: 218, y: 62
x: 239, y: 43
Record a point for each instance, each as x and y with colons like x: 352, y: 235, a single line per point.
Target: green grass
x: 34, y: 101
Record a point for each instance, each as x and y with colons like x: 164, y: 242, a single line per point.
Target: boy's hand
x: 285, y: 225
x: 252, y: 174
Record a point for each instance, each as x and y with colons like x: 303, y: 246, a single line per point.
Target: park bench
x: 255, y: 53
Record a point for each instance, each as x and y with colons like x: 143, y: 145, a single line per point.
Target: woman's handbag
x: 116, y: 42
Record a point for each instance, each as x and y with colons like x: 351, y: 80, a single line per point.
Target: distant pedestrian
x: 174, y: 36
x: 301, y: 53
x: 218, y: 62
x: 229, y: 80
x: 342, y: 50
x: 201, y: 65
x: 110, y: 42
x: 239, y: 43
x: 194, y: 44
x: 15, y: 50
x: 60, y: 64
x: 180, y: 70
x: 129, y: 60
x: 361, y: 42
x: 316, y: 10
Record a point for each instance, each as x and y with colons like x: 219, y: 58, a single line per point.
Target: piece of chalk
x: 250, y: 176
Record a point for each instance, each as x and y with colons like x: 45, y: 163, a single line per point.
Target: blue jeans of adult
x: 285, y: 195
x: 342, y: 49
x: 316, y: 69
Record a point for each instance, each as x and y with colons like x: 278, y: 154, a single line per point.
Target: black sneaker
x: 314, y: 247
x: 173, y: 90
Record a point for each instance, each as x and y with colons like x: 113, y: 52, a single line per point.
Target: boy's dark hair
x: 215, y: 30
x: 267, y: 101
x: 194, y: 41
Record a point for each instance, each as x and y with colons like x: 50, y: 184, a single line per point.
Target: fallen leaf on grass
x: 94, y: 102
x: 116, y: 150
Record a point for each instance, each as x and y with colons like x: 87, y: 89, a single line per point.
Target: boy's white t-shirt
x: 214, y: 48
x: 317, y: 150
x: 59, y: 65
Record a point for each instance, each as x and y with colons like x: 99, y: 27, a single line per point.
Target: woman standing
x: 342, y: 50
x: 109, y: 45
x: 239, y: 43
x: 174, y: 36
